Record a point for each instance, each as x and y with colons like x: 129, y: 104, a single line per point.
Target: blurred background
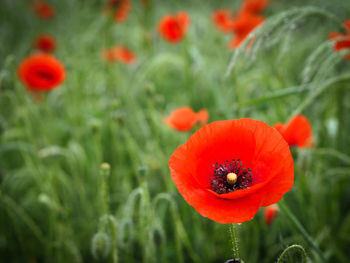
x: 52, y: 188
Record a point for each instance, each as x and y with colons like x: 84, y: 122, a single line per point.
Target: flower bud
x: 115, y: 104
x: 105, y: 169
x: 119, y: 116
x: 100, y: 246
x: 270, y: 213
x: 94, y: 125
x: 150, y: 89
x: 234, y: 260
x: 142, y: 171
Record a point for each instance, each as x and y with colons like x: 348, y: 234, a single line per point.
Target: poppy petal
x: 298, y: 132
x: 334, y: 35
x: 41, y: 72
x: 347, y: 25
x: 174, y: 27
x: 258, y: 147
x: 184, y: 118
x: 203, y: 116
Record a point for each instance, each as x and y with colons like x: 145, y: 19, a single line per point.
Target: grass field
x: 58, y: 205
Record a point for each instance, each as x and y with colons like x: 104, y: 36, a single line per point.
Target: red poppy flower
x: 119, y: 53
x: 44, y: 10
x: 41, y: 72
x: 228, y: 169
x: 246, y: 21
x: 184, y: 118
x: 242, y: 25
x: 297, y: 132
x: 119, y: 8
x: 344, y: 39
x: 45, y: 43
x: 222, y: 18
x: 270, y: 213
x: 334, y: 35
x: 254, y: 6
x: 174, y: 27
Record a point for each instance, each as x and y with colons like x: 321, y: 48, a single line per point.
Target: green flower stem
x: 301, y: 229
x: 105, y: 173
x: 341, y: 96
x: 148, y: 249
x: 285, y: 252
x: 234, y: 240
x: 114, y: 241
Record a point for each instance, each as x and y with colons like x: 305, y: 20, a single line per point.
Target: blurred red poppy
x: 41, y: 72
x: 242, y: 25
x: 174, y: 27
x: 297, y: 132
x: 184, y: 118
x: 45, y: 43
x: 245, y: 21
x: 343, y: 41
x: 222, y: 18
x: 120, y: 9
x: 119, y: 53
x: 228, y: 169
x: 44, y: 10
x: 254, y: 6
x: 270, y: 213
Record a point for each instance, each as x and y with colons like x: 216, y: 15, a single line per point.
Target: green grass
x: 51, y: 196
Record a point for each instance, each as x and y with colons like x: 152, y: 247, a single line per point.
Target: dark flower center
x: 45, y: 75
x: 230, y: 176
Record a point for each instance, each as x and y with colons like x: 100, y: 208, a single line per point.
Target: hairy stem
x: 286, y: 251
x: 234, y: 240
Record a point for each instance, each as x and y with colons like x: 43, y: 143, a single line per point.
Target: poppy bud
x: 119, y: 116
x: 46, y: 200
x: 105, y: 166
x: 115, y: 104
x: 100, y: 246
x: 142, y: 171
x: 105, y: 169
x: 95, y: 125
x: 234, y: 260
x: 270, y: 213
x: 150, y: 89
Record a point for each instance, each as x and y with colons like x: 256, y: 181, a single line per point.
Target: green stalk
x: 301, y: 229
x: 285, y: 252
x: 233, y: 82
x: 341, y: 96
x: 114, y: 240
x: 105, y: 172
x: 234, y: 240
x: 146, y: 221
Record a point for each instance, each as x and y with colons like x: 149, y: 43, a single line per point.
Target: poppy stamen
x: 230, y: 176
